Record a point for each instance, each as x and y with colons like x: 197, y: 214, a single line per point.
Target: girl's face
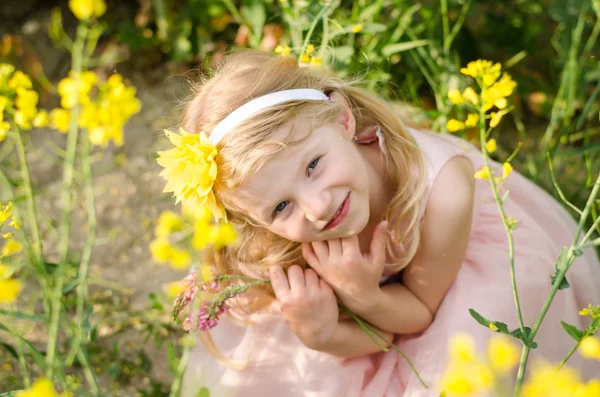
x: 311, y: 191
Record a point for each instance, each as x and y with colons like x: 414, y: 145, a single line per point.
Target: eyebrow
x: 267, y: 213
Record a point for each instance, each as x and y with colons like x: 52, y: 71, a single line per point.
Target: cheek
x: 293, y: 232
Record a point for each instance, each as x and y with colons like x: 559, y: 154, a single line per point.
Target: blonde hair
x: 248, y: 74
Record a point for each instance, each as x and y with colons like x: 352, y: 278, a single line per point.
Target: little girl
x: 336, y: 198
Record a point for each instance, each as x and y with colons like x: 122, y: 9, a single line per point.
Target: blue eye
x: 313, y: 164
x: 280, y: 207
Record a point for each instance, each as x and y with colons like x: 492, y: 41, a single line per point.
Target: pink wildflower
x: 187, y: 324
x: 209, y: 313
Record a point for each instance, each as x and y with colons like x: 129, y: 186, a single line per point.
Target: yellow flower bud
x: 472, y: 120
x: 590, y: 348
x: 357, y: 28
x: 490, y: 146
x: 471, y: 96
x: 456, y: 97
x: 9, y: 290
x: 493, y: 327
x: 483, y: 173
x: 454, y: 125
x: 310, y: 49
x: 507, y: 168
x: 495, y: 120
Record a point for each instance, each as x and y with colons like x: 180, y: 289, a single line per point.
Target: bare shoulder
x: 445, y: 233
x: 451, y: 196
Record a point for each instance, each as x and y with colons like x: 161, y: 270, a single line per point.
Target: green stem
x: 178, y: 380
x: 20, y: 351
x: 68, y: 171
x: 32, y: 214
x: 563, y: 268
x: 507, y: 227
x: 445, y: 28
x: 312, y: 27
x: 82, y: 286
x: 457, y: 25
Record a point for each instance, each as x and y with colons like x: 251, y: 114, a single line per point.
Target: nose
x: 316, y: 205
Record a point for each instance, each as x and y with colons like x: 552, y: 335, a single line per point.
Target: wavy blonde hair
x: 247, y: 74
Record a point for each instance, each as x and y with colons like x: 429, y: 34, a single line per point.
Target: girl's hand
x: 307, y: 304
x: 353, y: 276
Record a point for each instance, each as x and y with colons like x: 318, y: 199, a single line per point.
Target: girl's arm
x: 350, y: 340
x: 445, y: 234
x: 410, y: 306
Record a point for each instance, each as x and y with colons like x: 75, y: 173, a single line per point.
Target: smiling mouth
x: 340, y: 214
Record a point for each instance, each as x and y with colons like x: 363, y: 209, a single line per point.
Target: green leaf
x: 502, y: 328
x: 203, y: 392
x: 11, y: 350
x: 400, y: 47
x: 37, y: 355
x: 573, y: 331
x: 524, y: 338
x: 21, y: 315
x: 564, y: 284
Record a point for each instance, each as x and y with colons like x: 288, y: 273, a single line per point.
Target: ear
x: 346, y: 118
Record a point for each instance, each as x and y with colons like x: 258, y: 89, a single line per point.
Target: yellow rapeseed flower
x: 206, y: 274
x: 454, y: 125
x: 483, y: 173
x: 305, y: 58
x: 590, y: 348
x: 5, y: 211
x: 491, y: 146
x: 73, y: 90
x: 462, y: 348
x: 455, y: 97
x: 60, y: 119
x: 202, y: 232
x: 9, y: 290
x: 190, y: 171
x: 471, y: 96
x: 544, y: 381
x: 180, y: 259
x: 283, y: 50
x: 41, y: 119
x: 503, y: 355
x: 357, y: 28
x: 591, y: 389
x: 161, y: 250
x: 316, y: 61
x: 85, y: 9
x: 42, y: 387
x: 222, y: 235
x: 495, y: 119
x: 507, y: 168
x: 19, y: 80
x: 482, y: 69
x: 11, y: 247
x: 310, y: 49
x: 173, y: 289
x: 472, y: 120
x: 168, y: 222
x: 5, y: 271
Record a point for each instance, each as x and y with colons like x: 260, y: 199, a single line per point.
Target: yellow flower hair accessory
x: 190, y: 170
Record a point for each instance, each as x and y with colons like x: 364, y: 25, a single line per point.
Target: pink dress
x: 279, y: 365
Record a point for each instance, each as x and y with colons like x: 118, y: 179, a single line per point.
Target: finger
x: 335, y: 250
x: 296, y: 279
x: 312, y: 280
x: 321, y: 250
x: 351, y: 246
x: 279, y: 281
x: 378, y: 243
x: 309, y: 255
x: 324, y: 286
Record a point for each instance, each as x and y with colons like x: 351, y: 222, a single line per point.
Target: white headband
x: 249, y: 109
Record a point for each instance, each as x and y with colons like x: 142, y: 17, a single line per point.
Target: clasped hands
x: 307, y: 297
